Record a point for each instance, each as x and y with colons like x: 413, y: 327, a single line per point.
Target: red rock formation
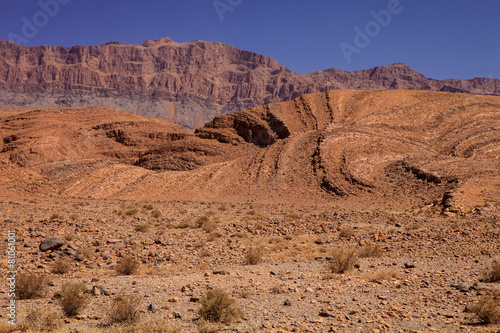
x: 188, y: 83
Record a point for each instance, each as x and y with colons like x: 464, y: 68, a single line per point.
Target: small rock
x: 273, y: 273
x: 220, y: 273
x: 92, y: 265
x: 105, y: 255
x: 153, y: 307
x: 194, y: 299
x: 287, y: 303
x: 177, y: 315
x: 52, y: 243
x: 409, y: 265
x: 325, y: 314
x: 96, y: 291
x: 147, y: 295
x: 173, y: 299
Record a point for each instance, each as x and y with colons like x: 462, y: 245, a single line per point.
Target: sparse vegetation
x: 218, y: 306
x: 61, y: 266
x: 69, y: 237
x: 131, y: 212
x: 127, y: 266
x: 73, y: 298
x: 38, y: 320
x: 54, y: 217
x: 381, y: 275
x: 124, y: 309
x: 345, y: 233
x: 487, y: 310
x: 148, y: 207
x: 156, y: 214
x: 74, y: 216
x: 141, y: 227
x: 342, y: 261
x: 370, y: 251
x: 206, y: 224
x: 30, y: 286
x: 253, y: 256
x: 493, y: 273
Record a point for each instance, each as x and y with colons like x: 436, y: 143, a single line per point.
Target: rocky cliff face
x: 188, y: 83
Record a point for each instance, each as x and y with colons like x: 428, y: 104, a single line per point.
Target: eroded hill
x: 390, y: 149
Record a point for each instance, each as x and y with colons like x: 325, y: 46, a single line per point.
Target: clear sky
x: 439, y: 38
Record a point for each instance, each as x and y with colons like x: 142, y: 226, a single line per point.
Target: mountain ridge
x: 187, y: 83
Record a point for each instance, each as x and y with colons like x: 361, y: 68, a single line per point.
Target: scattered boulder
x: 51, y: 244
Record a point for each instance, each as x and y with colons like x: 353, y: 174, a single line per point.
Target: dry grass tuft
x: 127, y: 266
x: 370, y: 251
x: 73, y: 298
x: 218, y: 306
x: 342, y: 261
x: 345, y: 233
x: 205, y: 326
x: 141, y: 227
x: 493, y: 273
x: 31, y: 285
x: 61, y: 266
x: 253, y: 256
x: 156, y: 214
x: 487, y: 310
x: 381, y: 275
x: 39, y: 320
x: 124, y: 309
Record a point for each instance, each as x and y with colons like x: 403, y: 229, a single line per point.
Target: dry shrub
x: 209, y: 226
x: 69, y: 237
x: 54, y: 216
x: 253, y: 256
x: 346, y: 233
x: 84, y: 251
x: 217, y: 306
x: 370, y: 251
x: 124, y: 309
x: 148, y: 206
x: 493, y: 273
x: 280, y: 289
x: 41, y: 321
x: 342, y: 260
x: 157, y: 326
x: 127, y: 266
x: 131, y: 212
x: 487, y: 310
x: 156, y: 214
x: 378, y: 276
x: 61, y: 266
x: 73, y: 298
x: 205, y: 326
x: 31, y: 285
x: 206, y: 224
x: 141, y: 227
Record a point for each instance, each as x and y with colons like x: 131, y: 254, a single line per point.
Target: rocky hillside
x: 187, y: 83
x: 390, y: 149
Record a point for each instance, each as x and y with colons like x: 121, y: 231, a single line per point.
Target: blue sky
x: 439, y: 38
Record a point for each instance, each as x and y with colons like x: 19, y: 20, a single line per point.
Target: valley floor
x: 412, y: 272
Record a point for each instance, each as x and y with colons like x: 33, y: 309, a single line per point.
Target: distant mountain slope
x: 188, y: 83
x: 387, y: 149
